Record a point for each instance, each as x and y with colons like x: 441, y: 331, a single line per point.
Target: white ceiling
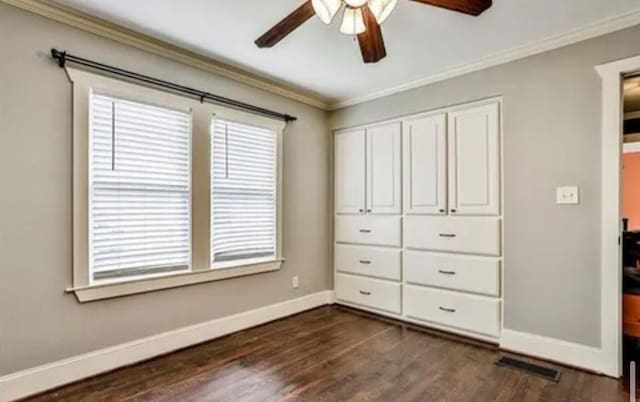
x: 421, y: 40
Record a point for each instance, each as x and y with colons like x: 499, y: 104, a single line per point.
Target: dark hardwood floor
x: 333, y: 354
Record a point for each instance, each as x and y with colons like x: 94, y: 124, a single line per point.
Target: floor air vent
x: 533, y: 369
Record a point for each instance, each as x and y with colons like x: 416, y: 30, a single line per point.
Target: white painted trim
x: 98, y: 26
x: 31, y: 381
x: 144, y: 284
x: 593, y: 30
x: 86, y: 22
x: 421, y: 114
x: 556, y: 350
x: 629, y: 147
x: 610, y: 253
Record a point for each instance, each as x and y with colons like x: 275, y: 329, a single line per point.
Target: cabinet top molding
x: 425, y: 113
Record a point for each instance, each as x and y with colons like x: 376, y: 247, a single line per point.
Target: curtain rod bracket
x: 61, y: 57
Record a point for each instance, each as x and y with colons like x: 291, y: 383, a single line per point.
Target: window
x: 243, y: 195
x: 139, y: 189
x: 168, y: 191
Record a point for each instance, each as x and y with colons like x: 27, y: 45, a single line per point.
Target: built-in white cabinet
x: 474, y: 161
x: 452, y: 162
x: 368, y: 170
x: 458, y: 234
x: 425, y: 165
x: 369, y: 230
x: 418, y: 225
x: 350, y: 167
x: 384, y: 175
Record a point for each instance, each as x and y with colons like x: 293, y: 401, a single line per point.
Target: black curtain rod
x: 63, y: 58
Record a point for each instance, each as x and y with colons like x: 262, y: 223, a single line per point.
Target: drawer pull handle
x: 365, y: 262
x: 365, y: 230
x: 449, y: 235
x: 446, y: 272
x: 362, y: 292
x: 448, y: 310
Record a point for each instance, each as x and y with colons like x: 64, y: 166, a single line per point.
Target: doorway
x: 609, y: 359
x: 630, y: 213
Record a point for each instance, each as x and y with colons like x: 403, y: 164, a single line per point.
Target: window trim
x: 202, y: 118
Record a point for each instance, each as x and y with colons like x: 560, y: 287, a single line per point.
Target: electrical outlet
x: 295, y: 282
x: 567, y: 195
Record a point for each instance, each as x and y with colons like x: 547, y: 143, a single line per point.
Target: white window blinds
x: 243, y: 191
x: 139, y: 204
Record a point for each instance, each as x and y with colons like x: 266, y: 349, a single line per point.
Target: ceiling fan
x: 361, y: 18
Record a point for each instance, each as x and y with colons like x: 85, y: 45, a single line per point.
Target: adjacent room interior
x: 631, y: 215
x: 319, y: 200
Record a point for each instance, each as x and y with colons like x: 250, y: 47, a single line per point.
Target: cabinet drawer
x: 373, y: 293
x: 477, y: 235
x: 371, y: 261
x: 467, y: 273
x: 472, y: 313
x: 366, y: 229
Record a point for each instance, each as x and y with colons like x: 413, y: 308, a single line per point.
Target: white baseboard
x: 569, y: 353
x: 48, y: 376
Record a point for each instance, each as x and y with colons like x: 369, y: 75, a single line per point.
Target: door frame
x: 612, y: 75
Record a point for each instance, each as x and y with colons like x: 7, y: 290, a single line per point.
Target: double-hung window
x: 243, y: 196
x: 139, y: 189
x: 169, y: 191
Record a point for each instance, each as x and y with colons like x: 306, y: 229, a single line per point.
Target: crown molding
x: 593, y: 30
x: 98, y: 26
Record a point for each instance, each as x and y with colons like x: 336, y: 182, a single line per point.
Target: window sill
x: 108, y: 290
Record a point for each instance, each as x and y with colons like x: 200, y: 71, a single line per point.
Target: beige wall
x: 39, y: 323
x: 551, y: 138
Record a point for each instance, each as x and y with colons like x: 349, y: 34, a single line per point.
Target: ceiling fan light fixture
x: 352, y: 22
x: 355, y: 3
x: 381, y: 9
x: 326, y: 9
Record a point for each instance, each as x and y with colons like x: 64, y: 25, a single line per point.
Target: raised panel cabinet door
x: 425, y: 165
x: 350, y: 168
x: 474, y: 160
x: 384, y: 175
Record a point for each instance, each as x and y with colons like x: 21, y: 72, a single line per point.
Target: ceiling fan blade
x: 371, y: 41
x: 286, y: 26
x: 471, y: 7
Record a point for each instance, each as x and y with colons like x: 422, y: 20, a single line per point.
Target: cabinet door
x: 384, y: 176
x: 425, y: 165
x: 474, y: 161
x: 350, y: 172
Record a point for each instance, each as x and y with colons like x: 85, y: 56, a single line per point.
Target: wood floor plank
x: 332, y: 354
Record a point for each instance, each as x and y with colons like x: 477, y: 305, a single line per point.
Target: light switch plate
x: 568, y: 195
